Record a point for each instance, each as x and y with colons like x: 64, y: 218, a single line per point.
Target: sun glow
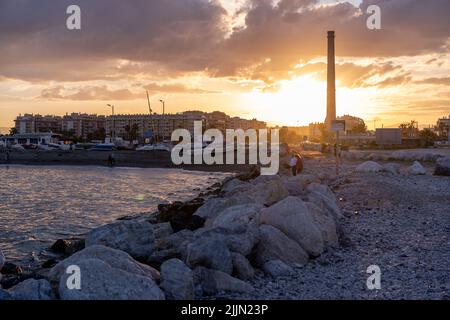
x: 298, y: 101
x: 302, y: 100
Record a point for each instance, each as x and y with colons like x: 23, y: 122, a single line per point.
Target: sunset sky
x: 250, y: 58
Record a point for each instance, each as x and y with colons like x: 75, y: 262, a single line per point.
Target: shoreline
x: 124, y: 159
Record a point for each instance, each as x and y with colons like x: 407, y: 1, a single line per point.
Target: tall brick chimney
x: 331, y: 86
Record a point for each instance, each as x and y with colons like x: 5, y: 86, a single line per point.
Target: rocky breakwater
x: 203, y: 248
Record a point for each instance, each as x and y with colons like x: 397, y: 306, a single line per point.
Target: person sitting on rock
x: 296, y: 164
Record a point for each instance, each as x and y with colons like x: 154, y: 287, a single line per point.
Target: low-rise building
x: 388, y: 136
x: 443, y: 128
x: 31, y: 138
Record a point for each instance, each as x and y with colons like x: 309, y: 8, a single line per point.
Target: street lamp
x: 113, y: 132
x: 112, y: 107
x: 164, y: 106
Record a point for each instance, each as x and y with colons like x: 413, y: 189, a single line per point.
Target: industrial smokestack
x: 331, y: 88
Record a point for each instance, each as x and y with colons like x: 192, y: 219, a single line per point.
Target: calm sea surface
x: 41, y: 204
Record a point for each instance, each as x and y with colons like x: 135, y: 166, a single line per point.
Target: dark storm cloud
x: 169, y: 38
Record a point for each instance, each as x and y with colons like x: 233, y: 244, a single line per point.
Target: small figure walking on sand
x: 7, y: 157
x: 296, y: 164
x: 111, y: 160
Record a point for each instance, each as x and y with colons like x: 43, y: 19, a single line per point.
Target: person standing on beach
x: 7, y: 157
x: 111, y: 160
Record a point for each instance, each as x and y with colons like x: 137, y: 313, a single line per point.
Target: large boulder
x: 416, y: 169
x: 10, y: 268
x: 135, y: 238
x: 160, y: 256
x: 325, y: 204
x: 32, y: 289
x: 209, y: 252
x: 162, y: 230
x: 322, y: 189
x: 2, y: 260
x: 115, y: 258
x: 4, y: 295
x: 68, y: 246
x: 177, y: 280
x: 180, y: 215
x: 392, y: 168
x: 369, y: 166
x: 442, y: 167
x: 174, y: 240
x: 101, y: 281
x: 326, y: 224
x: 214, y: 206
x: 304, y: 180
x: 214, y: 281
x: 236, y: 215
x: 242, y: 268
x: 268, y: 191
x: 277, y: 268
x: 275, y: 245
x: 293, y: 218
x: 238, y: 238
x: 235, y: 185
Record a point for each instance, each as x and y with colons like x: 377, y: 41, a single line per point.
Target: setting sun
x: 297, y: 101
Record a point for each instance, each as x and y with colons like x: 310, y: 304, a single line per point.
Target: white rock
x: 292, y: 217
x: 177, y: 280
x: 242, y: 268
x: 213, y: 281
x: 32, y: 289
x: 116, y: 259
x: 416, y: 169
x: 277, y: 268
x: 275, y: 245
x: 101, y: 281
x: 369, y: 166
x: 392, y: 168
x: 209, y: 252
x: 133, y: 237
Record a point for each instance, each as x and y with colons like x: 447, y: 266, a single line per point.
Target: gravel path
x: 400, y: 223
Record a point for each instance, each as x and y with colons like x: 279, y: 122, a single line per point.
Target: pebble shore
x: 400, y: 223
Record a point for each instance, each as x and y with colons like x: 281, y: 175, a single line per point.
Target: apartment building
x: 36, y: 123
x: 83, y: 125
